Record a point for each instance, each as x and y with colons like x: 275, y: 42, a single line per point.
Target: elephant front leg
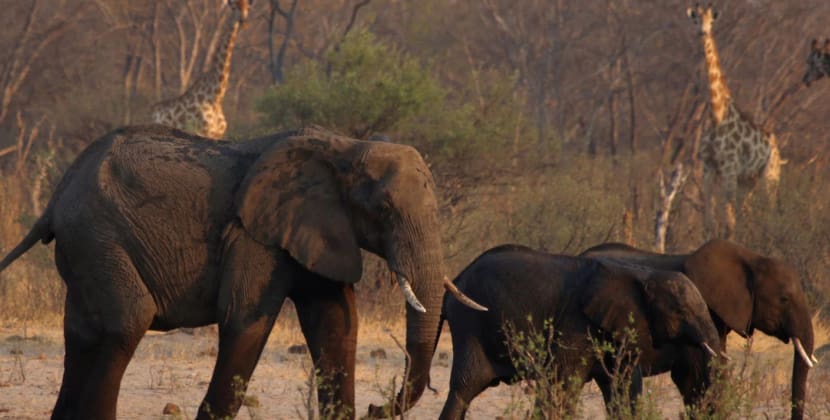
x: 328, y: 319
x: 240, y: 345
x: 616, y: 388
x: 691, y: 376
x: 250, y: 298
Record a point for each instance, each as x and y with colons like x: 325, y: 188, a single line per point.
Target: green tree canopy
x: 365, y: 87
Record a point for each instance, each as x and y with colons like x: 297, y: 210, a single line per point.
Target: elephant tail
x: 41, y: 231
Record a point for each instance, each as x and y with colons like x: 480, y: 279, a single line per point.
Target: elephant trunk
x: 801, y: 368
x: 426, y: 271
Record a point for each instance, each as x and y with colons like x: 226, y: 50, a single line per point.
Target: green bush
x: 363, y: 87
x: 366, y: 87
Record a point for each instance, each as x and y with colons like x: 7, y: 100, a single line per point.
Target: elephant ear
x: 614, y: 300
x: 719, y: 270
x: 292, y: 198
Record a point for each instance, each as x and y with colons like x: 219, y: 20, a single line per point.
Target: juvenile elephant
x: 158, y: 229
x: 744, y: 291
x: 581, y: 296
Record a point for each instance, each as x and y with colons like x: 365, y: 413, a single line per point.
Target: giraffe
x: 818, y: 62
x: 199, y: 108
x: 736, y: 151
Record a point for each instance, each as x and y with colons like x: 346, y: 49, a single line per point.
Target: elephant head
x: 748, y: 291
x: 661, y: 306
x: 322, y: 198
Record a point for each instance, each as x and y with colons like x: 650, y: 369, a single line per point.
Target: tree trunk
x: 632, y: 105
x: 613, y: 130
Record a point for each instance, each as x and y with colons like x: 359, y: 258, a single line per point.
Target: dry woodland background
x: 546, y: 123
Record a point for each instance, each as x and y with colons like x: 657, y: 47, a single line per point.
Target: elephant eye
x: 385, y: 205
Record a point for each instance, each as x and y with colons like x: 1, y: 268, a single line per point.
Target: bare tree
x: 194, y: 21
x: 276, y: 56
x: 39, y: 31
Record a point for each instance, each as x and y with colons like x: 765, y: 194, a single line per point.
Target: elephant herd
x: 157, y: 229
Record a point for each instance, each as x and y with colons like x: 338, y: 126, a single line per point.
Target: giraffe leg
x: 710, y: 205
x: 731, y: 186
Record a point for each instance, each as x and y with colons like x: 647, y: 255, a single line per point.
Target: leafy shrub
x: 363, y: 87
x: 366, y: 87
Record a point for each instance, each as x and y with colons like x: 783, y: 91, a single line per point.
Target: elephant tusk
x: 708, y: 349
x: 813, y: 358
x: 450, y: 287
x: 800, y: 349
x: 725, y: 356
x: 406, y: 288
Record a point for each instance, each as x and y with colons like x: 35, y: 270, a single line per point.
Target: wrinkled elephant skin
x: 745, y: 291
x: 525, y: 289
x: 158, y: 229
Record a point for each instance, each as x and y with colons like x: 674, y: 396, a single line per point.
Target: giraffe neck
x: 719, y: 93
x: 214, y: 82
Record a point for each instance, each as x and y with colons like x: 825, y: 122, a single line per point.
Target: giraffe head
x: 239, y: 8
x: 703, y: 17
x: 818, y: 62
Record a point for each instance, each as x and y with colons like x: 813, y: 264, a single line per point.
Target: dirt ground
x: 176, y: 366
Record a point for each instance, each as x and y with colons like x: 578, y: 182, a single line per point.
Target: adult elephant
x: 158, y: 229
x: 745, y: 291
x: 581, y: 297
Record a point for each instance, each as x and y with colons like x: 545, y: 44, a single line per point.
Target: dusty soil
x: 175, y: 367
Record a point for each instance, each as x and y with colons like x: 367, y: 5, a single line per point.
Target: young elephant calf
x: 582, y: 297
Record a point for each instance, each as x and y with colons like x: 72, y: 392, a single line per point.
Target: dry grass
x: 175, y: 368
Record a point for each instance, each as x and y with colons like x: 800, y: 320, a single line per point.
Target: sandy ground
x: 175, y: 367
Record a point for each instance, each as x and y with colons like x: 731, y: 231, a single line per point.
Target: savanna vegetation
x: 546, y: 123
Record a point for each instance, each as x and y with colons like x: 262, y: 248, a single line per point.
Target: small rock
x: 209, y: 352
x: 16, y: 351
x: 298, y: 349
x: 378, y: 354
x: 250, y: 401
x: 171, y: 409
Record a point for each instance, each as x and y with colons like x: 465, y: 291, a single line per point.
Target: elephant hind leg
x: 78, y: 360
x: 107, y: 313
x: 100, y: 396
x: 328, y: 318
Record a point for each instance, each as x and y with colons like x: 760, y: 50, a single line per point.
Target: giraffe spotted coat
x: 199, y: 109
x: 737, y: 151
